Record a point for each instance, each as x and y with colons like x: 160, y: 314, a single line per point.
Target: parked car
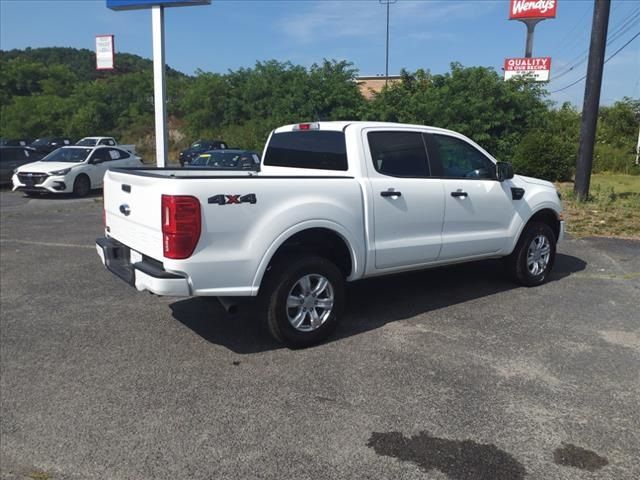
x: 12, y: 157
x: 333, y: 202
x: 108, y: 141
x: 198, y: 147
x: 71, y: 169
x: 227, y: 160
x: 49, y: 144
x: 15, y: 142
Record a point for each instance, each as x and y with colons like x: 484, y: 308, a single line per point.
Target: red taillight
x: 304, y: 126
x: 180, y: 225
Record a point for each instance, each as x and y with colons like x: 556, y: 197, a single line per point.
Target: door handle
x: 391, y: 193
x: 459, y: 193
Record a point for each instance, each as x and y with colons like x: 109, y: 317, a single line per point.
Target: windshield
x: 199, y: 144
x: 88, y: 142
x: 70, y: 155
x: 41, y: 141
x: 218, y: 160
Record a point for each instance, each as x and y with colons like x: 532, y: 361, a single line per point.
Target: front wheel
x: 532, y: 260
x: 81, y: 186
x: 303, y: 296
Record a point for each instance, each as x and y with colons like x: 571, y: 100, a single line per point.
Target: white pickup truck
x: 107, y: 141
x: 333, y: 202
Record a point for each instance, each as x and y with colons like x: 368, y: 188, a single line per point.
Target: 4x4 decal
x: 223, y: 199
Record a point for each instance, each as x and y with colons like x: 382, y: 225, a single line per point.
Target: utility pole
x: 638, y: 150
x: 591, y: 103
x: 386, y: 71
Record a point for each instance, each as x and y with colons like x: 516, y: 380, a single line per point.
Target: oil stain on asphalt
x: 458, y: 459
x: 571, y: 456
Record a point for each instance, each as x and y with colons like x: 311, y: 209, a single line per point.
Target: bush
x: 611, y: 158
x: 544, y: 155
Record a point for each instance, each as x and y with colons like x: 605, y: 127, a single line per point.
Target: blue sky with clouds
x: 230, y: 34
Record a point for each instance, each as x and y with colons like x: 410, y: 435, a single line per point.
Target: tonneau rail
x: 188, y: 174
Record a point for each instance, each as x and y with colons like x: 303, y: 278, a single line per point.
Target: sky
x: 429, y: 34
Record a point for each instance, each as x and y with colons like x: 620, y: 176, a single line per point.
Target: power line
x: 611, y: 41
x: 573, y: 40
x: 577, y: 38
x: 620, y: 31
x: 613, y: 55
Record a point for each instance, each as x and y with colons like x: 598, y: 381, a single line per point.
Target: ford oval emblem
x: 125, y: 209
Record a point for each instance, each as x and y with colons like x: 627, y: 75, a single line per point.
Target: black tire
x: 81, y: 186
x: 518, y: 265
x: 285, y: 277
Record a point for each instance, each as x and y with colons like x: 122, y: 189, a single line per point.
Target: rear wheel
x: 81, y: 186
x: 532, y: 260
x: 303, y: 297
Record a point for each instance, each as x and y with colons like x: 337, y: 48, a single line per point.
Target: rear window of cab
x: 319, y: 150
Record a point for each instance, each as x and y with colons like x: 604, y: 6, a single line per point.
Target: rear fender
x: 357, y: 258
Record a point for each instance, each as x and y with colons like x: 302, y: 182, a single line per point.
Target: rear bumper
x: 146, y: 274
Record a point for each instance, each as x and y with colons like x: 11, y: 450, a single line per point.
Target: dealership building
x: 371, y: 84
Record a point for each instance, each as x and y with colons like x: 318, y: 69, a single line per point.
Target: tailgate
x: 132, y: 206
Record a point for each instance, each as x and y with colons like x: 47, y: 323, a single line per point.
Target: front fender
x: 545, y: 205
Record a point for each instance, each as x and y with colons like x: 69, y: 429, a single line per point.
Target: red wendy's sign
x: 524, y: 9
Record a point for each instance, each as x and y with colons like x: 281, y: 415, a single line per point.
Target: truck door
x: 408, y: 205
x: 479, y: 209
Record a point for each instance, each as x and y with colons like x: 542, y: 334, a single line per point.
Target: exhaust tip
x: 229, y: 304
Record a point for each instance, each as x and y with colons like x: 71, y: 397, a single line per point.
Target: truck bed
x: 245, y: 217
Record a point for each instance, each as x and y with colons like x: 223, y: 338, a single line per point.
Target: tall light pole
x: 386, y: 71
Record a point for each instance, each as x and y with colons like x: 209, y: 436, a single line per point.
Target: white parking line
x: 45, y: 244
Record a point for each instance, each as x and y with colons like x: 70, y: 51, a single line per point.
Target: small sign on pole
x: 105, y: 52
x: 538, y: 68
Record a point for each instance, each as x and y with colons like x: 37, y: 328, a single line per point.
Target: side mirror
x: 96, y: 161
x: 504, y: 171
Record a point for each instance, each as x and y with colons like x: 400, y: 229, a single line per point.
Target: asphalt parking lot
x: 446, y: 374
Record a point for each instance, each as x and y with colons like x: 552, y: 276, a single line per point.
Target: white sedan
x: 71, y: 169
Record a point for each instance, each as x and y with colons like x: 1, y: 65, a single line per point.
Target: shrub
x: 544, y: 155
x: 611, y: 158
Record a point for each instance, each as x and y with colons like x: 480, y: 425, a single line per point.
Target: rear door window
x: 399, y: 154
x: 320, y: 150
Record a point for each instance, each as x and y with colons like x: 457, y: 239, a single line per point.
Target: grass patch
x: 613, y: 208
x: 38, y: 475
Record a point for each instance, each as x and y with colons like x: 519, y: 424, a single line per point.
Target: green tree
x: 474, y: 101
x: 617, y: 136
